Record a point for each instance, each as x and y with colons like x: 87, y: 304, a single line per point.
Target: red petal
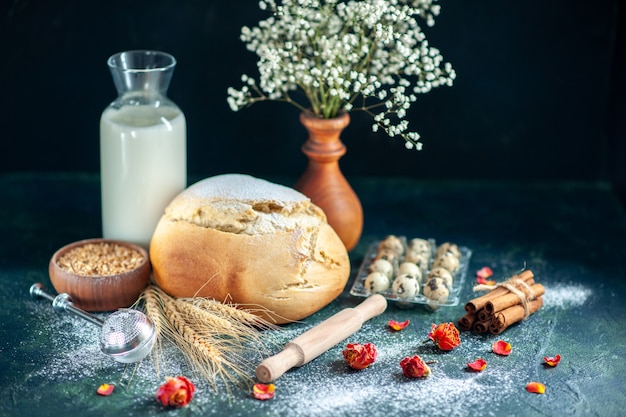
x: 502, y: 348
x: 483, y: 281
x: 536, y: 388
x: 552, y: 361
x: 105, y: 389
x: 263, y: 391
x: 484, y: 272
x: 478, y: 365
x: 397, y: 326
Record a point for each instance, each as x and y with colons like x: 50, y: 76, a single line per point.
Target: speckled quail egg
x: 421, y: 259
x: 376, y: 282
x: 409, y: 268
x: 444, y: 274
x: 405, y: 286
x: 388, y: 255
x: 420, y: 245
x: 447, y: 261
x: 436, y: 290
x: 393, y: 243
x: 448, y: 247
x: 382, y: 265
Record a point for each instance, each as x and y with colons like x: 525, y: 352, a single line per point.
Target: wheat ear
x: 152, y: 306
x: 218, y: 341
x: 205, y: 357
x: 233, y: 311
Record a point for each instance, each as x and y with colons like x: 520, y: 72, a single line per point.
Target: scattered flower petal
x: 445, y: 336
x: 359, y: 356
x: 552, y: 361
x: 176, y: 392
x: 478, y: 365
x: 483, y: 281
x: 414, y: 367
x: 502, y: 348
x: 397, y: 326
x: 536, y: 388
x: 484, y: 272
x: 263, y: 391
x: 105, y: 389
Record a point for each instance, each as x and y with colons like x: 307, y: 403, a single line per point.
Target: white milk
x: 143, y: 160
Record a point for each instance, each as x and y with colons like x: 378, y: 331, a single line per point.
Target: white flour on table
x: 327, y: 386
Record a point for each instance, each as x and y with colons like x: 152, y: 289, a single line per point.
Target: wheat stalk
x: 153, y: 307
x: 234, y: 312
x: 215, y: 338
x: 204, y: 356
x: 228, y: 328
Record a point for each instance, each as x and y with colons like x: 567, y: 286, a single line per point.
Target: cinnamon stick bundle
x: 506, y: 304
x: 510, y: 299
x: 512, y: 315
x: 477, y: 303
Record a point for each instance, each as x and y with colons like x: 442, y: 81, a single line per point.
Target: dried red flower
x: 536, y: 388
x: 397, y: 326
x: 359, y: 356
x: 176, y: 392
x: 263, y: 391
x: 414, y: 367
x: 445, y: 336
x: 484, y: 272
x: 551, y: 361
x: 478, y: 365
x: 502, y: 348
x: 105, y: 389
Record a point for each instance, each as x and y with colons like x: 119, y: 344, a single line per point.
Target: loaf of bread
x: 252, y: 242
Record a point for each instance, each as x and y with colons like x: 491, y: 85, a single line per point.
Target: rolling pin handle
x: 273, y: 367
x: 373, y: 306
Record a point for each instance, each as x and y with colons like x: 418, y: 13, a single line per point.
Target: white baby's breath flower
x: 337, y: 51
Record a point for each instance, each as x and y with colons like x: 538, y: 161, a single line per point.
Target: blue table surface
x: 572, y: 235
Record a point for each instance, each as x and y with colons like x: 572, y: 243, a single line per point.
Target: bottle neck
x: 139, y: 98
x: 142, y: 75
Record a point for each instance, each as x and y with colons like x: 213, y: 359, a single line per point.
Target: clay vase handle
x: 320, y: 338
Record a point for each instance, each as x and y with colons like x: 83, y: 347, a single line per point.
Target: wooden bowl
x: 97, y: 290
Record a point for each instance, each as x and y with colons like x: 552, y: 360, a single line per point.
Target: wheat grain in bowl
x: 100, y: 274
x: 101, y: 258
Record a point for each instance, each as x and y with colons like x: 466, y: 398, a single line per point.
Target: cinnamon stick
x: 510, y: 299
x: 503, y: 319
x: 481, y: 326
x: 483, y: 315
x: 477, y: 303
x: 466, y: 322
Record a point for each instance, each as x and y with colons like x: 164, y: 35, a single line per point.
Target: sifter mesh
x: 124, y: 330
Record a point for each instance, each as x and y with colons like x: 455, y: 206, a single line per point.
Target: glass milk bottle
x: 143, y: 154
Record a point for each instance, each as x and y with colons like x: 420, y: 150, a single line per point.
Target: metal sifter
x: 126, y: 335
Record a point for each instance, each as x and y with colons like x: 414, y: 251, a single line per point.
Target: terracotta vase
x: 324, y: 183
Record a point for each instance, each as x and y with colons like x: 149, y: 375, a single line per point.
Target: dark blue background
x: 540, y: 92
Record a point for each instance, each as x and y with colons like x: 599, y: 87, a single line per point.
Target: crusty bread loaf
x: 239, y: 238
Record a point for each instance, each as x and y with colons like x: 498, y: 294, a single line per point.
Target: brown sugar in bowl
x: 100, y: 274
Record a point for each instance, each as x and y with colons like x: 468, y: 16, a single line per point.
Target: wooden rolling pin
x: 317, y: 340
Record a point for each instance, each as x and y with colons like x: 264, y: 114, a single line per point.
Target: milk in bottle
x: 142, y: 147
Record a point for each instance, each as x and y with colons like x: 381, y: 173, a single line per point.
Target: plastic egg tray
x: 359, y: 290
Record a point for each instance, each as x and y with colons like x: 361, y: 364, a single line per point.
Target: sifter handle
x: 63, y: 302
